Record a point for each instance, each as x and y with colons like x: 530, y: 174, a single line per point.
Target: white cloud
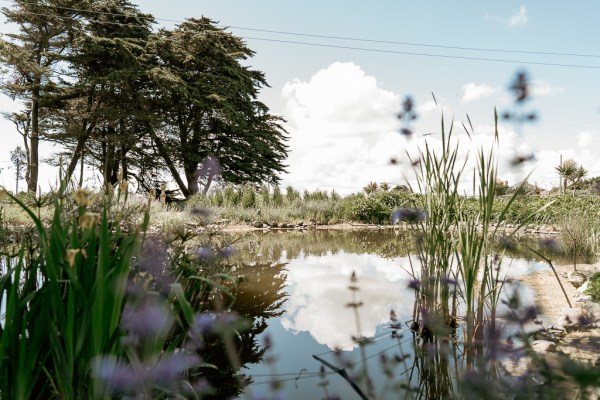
x: 343, y: 132
x: 475, y: 91
x: 342, y: 128
x: 540, y: 88
x: 519, y: 18
x: 584, y: 139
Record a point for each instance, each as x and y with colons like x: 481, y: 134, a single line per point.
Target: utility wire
x: 439, y: 46
x: 366, y: 40
x: 425, y: 54
x: 334, y: 37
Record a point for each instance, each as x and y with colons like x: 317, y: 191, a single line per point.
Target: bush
x: 594, y: 287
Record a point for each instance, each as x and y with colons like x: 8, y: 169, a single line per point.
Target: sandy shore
x: 582, y: 345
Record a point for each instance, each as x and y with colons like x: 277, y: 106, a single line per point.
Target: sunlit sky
x: 340, y: 102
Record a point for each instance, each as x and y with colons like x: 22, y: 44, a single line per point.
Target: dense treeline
x: 137, y: 103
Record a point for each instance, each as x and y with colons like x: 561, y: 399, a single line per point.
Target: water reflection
x: 296, y: 291
x: 318, y: 295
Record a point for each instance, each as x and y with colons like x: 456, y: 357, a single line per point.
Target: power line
x: 429, y: 45
x: 425, y: 54
x: 550, y: 53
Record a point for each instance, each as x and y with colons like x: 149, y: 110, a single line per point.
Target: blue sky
x: 340, y: 103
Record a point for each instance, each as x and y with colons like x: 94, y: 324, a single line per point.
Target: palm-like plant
x: 570, y: 172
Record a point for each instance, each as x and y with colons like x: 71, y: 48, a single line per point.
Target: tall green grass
x: 459, y: 266
x: 63, y: 302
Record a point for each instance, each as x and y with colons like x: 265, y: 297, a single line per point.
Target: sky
x: 340, y: 97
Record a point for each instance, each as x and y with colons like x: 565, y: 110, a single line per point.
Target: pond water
x: 298, y: 288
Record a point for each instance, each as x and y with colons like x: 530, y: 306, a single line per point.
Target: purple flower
x: 226, y: 252
x: 206, y: 253
x: 408, y: 215
x: 170, y: 369
x: 414, y: 284
x: 204, y: 323
x: 210, y: 323
x: 549, y: 244
x: 209, y: 168
x: 406, y: 132
x: 200, y: 212
x: 148, y: 320
x: 116, y: 376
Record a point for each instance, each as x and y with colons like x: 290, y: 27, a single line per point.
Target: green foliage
x: 63, y: 303
x: 277, y: 198
x: 378, y: 207
x: 249, y: 196
x: 593, y: 288
x: 291, y: 195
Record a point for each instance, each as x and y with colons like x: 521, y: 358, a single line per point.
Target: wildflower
x: 83, y: 198
x: 406, y: 132
x: 205, y: 253
x: 520, y: 87
x: 72, y: 254
x: 550, y: 245
x: 226, y: 252
x: 414, y: 284
x: 170, y: 369
x: 88, y: 219
x: 520, y: 159
x: 209, y: 169
x: 116, y: 376
x: 506, y: 243
x: 148, y: 320
x: 408, y: 215
x: 200, y: 212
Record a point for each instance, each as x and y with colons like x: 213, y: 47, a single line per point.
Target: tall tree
x: 45, y: 32
x: 205, y: 105
x: 100, y: 120
x: 19, y: 161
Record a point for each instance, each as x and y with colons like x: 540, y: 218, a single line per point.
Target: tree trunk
x: 162, y: 151
x: 81, y: 170
x: 33, y: 169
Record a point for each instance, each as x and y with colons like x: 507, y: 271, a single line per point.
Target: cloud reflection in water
x: 318, y: 294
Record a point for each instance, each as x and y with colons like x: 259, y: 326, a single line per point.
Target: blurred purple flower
x: 506, y: 242
x: 205, y: 253
x: 116, y: 376
x: 209, y: 168
x: 147, y: 320
x: 414, y: 284
x: 550, y: 245
x: 200, y: 212
x: 408, y: 215
x: 226, y: 252
x: 406, y: 132
x: 520, y: 87
x: 208, y: 324
x: 170, y: 369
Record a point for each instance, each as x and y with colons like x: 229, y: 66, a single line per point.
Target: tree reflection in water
x: 258, y: 297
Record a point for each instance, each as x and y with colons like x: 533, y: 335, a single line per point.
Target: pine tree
x: 32, y: 57
x: 206, y: 103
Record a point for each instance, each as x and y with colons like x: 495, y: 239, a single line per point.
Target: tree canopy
x: 120, y: 96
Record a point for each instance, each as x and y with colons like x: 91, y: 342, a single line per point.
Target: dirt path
x: 582, y: 345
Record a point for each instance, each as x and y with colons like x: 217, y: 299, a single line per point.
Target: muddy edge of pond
x: 581, y: 343
x: 226, y: 226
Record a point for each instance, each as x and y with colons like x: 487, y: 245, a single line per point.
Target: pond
x: 297, y: 292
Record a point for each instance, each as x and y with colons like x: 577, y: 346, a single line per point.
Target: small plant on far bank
x: 593, y: 288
